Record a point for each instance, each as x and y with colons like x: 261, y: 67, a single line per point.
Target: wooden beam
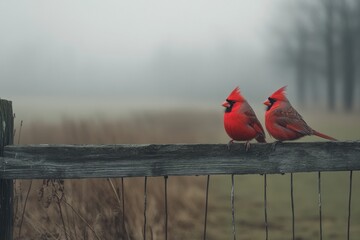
x: 100, y: 161
x: 6, y: 185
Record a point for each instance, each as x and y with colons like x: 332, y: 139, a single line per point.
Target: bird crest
x: 235, y: 95
x: 279, y: 94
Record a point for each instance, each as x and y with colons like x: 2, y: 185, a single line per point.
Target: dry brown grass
x: 89, y: 209
x: 189, y: 126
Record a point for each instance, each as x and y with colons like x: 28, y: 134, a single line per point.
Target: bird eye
x: 272, y: 100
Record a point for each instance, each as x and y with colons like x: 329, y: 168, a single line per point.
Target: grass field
x: 90, y: 209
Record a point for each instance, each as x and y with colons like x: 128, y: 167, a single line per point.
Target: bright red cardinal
x: 283, y: 122
x: 240, y: 121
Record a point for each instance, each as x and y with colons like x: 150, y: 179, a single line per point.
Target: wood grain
x: 6, y: 185
x: 100, y: 161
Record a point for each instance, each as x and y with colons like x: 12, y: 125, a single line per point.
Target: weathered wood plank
x: 6, y: 185
x: 98, y: 161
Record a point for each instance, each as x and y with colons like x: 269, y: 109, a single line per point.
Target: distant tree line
x: 321, y: 42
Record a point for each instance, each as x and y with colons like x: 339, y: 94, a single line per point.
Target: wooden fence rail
x: 103, y: 161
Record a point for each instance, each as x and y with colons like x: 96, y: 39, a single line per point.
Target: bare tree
x: 358, y: 42
x: 301, y: 63
x: 328, y: 48
x: 330, y: 57
x: 348, y: 54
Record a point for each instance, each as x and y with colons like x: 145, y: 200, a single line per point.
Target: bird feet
x: 273, y: 147
x: 229, y: 144
x: 247, y: 146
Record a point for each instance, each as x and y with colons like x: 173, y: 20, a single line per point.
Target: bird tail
x: 260, y: 138
x: 324, y: 136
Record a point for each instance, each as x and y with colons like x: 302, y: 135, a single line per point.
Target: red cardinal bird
x: 240, y: 121
x: 283, y: 122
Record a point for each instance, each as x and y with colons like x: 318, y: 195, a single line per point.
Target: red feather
x: 240, y: 121
x: 283, y: 122
x: 279, y: 94
x: 235, y: 95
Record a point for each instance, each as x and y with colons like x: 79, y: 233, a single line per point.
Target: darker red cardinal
x: 283, y: 122
x: 240, y: 121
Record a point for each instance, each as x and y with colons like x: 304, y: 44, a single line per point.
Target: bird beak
x: 226, y: 104
x: 267, y: 103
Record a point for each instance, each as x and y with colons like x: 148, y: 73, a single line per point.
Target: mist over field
x: 103, y: 58
x: 66, y: 58
x: 134, y: 72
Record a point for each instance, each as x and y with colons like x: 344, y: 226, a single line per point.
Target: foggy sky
x: 126, y: 50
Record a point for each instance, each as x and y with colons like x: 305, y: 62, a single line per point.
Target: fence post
x: 6, y: 185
